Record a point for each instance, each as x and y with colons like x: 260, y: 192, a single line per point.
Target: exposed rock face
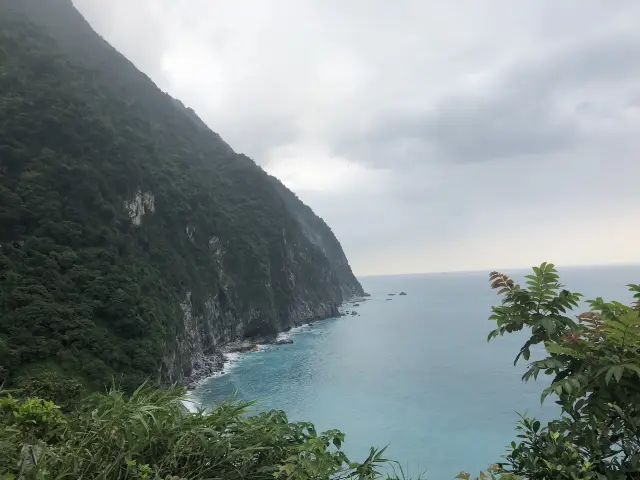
x: 198, y: 245
x: 196, y: 352
x: 142, y: 203
x: 319, y: 233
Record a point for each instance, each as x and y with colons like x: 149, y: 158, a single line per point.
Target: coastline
x: 217, y: 363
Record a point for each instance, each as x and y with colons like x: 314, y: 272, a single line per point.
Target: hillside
x: 134, y: 240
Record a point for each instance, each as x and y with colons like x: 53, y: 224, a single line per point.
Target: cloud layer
x: 430, y: 135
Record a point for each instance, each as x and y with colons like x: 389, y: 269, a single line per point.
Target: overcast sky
x: 431, y: 135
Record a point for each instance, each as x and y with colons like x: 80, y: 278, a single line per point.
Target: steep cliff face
x: 133, y: 240
x: 319, y: 233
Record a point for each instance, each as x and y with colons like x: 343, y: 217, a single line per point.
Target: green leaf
x: 545, y: 393
x: 575, y: 383
x: 549, y: 325
x: 617, y: 372
x: 554, y: 348
x: 633, y: 367
x: 557, y: 388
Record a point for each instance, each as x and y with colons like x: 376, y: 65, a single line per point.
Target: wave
x: 190, y: 402
x: 230, y: 362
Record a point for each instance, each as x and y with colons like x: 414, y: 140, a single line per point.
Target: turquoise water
x: 414, y: 373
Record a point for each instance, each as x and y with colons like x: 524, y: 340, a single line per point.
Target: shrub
x: 595, y: 367
x: 151, y: 435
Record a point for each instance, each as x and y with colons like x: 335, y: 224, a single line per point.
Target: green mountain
x: 133, y: 240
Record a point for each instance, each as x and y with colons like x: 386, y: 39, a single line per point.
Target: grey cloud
x: 489, y: 128
x: 257, y: 137
x: 521, y: 114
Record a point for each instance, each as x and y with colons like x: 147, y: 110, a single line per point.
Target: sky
x: 431, y: 135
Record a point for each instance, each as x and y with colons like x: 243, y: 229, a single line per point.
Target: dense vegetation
x: 149, y: 435
x: 593, y: 359
x: 85, y: 293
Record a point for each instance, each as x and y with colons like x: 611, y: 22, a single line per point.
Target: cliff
x: 134, y: 240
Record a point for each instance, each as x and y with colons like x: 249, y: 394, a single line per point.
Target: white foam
x: 233, y: 357
x: 283, y: 336
x: 190, y: 402
x: 298, y: 329
x: 230, y: 361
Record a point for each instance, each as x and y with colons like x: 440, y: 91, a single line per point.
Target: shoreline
x: 215, y: 364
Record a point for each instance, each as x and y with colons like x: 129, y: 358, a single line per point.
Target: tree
x: 594, y: 362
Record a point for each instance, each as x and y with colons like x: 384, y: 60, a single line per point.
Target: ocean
x: 414, y: 373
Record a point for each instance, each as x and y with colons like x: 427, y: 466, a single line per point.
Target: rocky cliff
x: 133, y: 240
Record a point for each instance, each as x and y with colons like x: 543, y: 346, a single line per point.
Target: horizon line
x: 485, y: 270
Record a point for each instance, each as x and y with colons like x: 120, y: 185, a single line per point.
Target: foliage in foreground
x: 594, y: 362
x: 150, y: 435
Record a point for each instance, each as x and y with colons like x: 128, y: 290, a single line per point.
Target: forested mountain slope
x: 133, y: 240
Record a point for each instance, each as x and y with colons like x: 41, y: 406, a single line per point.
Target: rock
x: 356, y: 304
x: 240, y: 346
x: 204, y: 366
x: 354, y: 313
x: 391, y: 294
x: 367, y: 295
x: 402, y: 293
x: 283, y: 341
x: 389, y: 299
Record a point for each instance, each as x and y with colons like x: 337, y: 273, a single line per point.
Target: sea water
x: 414, y: 373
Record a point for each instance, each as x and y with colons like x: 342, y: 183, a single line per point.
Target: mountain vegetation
x: 133, y: 240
